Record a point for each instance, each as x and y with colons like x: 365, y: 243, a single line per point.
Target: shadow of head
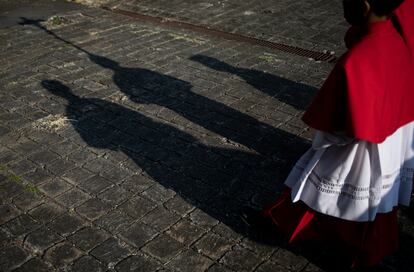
x: 213, y: 63
x: 57, y: 88
x: 103, y: 62
x: 26, y: 21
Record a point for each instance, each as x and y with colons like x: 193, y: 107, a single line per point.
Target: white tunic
x: 355, y: 180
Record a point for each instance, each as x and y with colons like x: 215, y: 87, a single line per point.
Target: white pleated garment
x: 355, y: 180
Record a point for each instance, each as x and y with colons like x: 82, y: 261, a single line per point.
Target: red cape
x: 405, y: 17
x: 370, y: 92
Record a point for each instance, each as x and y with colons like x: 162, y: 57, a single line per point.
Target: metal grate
x: 318, y: 56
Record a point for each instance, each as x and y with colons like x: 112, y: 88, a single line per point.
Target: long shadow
x: 289, y: 92
x: 148, y: 87
x: 219, y: 181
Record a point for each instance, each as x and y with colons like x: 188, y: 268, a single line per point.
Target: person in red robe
x: 346, y: 189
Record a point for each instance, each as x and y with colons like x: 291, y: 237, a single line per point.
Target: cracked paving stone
x: 241, y: 259
x: 189, y: 261
x: 88, y: 238
x: 62, y: 254
x: 88, y: 264
x: 8, y: 212
x: 160, y: 218
x: 110, y: 251
x: 21, y: 225
x: 213, y: 246
x: 55, y: 187
x: 185, y: 232
x: 289, y: 259
x: 41, y: 239
x: 137, y: 207
x: 114, y: 222
x: 46, y: 212
x: 138, y: 263
x: 67, y: 224
x: 93, y: 209
x: 34, y: 264
x: 138, y: 234
x: 11, y: 257
x: 95, y: 184
x: 163, y: 247
x: 73, y: 197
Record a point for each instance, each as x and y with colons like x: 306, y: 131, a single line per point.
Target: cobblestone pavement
x: 310, y: 24
x: 129, y: 147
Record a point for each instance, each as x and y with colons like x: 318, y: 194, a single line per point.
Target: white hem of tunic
x: 355, y: 180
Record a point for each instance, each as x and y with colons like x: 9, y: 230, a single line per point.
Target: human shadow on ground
x: 219, y: 181
x: 289, y: 92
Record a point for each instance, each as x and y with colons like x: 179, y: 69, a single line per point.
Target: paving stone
x: 34, y: 264
x: 72, y: 198
x: 138, y: 234
x: 41, y: 239
x: 179, y: 205
x: 221, y: 268
x: 43, y: 157
x: 95, y: 184
x: 11, y: 257
x: 27, y: 200
x: 21, y: 225
x: 46, y: 212
x: 62, y: 254
x: 241, y: 259
x: 98, y: 165
x: 10, y: 189
x: 158, y: 193
x: 289, y: 259
x: 269, y: 266
x: 55, y: 187
x: 110, y: 251
x: 114, y: 221
x: 189, y: 261
x: 116, y: 175
x: 67, y: 224
x: 225, y: 231
x: 81, y: 156
x: 88, y: 238
x: 137, y: 183
x: 213, y: 245
x: 77, y: 175
x: 5, y: 238
x: 7, y: 212
x: 22, y: 167
x: 93, y: 208
x: 38, y: 177
x: 160, y: 218
x: 137, y: 207
x: 88, y: 264
x: 64, y: 148
x: 202, y: 219
x: 137, y: 263
x: 60, y: 166
x: 185, y: 232
x: 115, y: 195
x: 163, y: 247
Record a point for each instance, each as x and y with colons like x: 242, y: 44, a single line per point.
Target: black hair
x: 384, y: 7
x: 354, y: 9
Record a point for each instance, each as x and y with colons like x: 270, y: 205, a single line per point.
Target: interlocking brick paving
x: 130, y: 147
